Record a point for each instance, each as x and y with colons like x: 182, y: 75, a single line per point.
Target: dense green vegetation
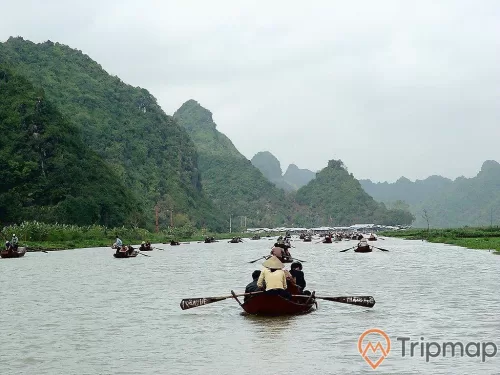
x: 466, y: 201
x: 48, y: 173
x: 40, y: 236
x: 146, y: 149
x: 230, y: 180
x: 473, y: 238
x: 337, y: 198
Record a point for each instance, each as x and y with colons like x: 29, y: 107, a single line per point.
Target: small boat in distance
x: 363, y: 247
x: 13, y: 253
x: 126, y: 252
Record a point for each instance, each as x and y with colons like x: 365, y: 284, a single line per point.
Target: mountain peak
x: 490, y: 165
x: 268, y: 164
x: 194, y: 110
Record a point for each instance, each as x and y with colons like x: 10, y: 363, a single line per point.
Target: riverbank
x: 472, y: 238
x: 36, y: 236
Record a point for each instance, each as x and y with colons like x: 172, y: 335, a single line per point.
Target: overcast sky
x: 390, y: 87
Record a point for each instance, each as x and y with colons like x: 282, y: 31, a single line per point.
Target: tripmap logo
x: 374, y: 346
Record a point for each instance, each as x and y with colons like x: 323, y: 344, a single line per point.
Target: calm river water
x: 84, y: 312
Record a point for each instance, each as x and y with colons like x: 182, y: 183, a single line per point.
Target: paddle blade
x: 365, y: 301
x: 189, y: 303
x: 380, y: 248
x: 342, y: 251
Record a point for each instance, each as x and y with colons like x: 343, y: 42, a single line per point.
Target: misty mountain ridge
x: 294, y: 177
x: 464, y: 201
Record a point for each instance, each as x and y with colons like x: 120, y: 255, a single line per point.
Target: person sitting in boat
x: 14, y: 242
x: 130, y: 249
x: 143, y: 246
x: 252, y: 287
x: 7, y: 245
x: 363, y: 243
x: 278, y: 252
x: 273, y: 277
x: 148, y: 245
x: 298, y: 275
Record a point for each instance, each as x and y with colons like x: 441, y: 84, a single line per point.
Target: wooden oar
x: 157, y: 248
x: 365, y: 301
x: 303, y: 261
x: 347, y: 249
x: 379, y: 248
x: 253, y: 261
x: 189, y: 303
x: 144, y: 254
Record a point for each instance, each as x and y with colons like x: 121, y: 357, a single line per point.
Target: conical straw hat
x: 273, y: 263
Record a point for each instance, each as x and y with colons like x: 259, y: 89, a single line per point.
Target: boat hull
x: 125, y: 254
x: 13, y: 254
x: 363, y: 249
x: 275, y: 305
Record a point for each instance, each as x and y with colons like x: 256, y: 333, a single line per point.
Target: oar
x: 189, y: 303
x: 144, y: 254
x: 157, y: 248
x: 303, y: 261
x: 347, y: 249
x: 253, y: 261
x: 379, y: 248
x: 365, y: 301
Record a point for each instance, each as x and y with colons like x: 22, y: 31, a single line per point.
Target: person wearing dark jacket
x: 252, y: 287
x: 298, y: 275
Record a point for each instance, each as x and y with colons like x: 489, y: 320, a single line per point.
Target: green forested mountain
x: 293, y: 179
x: 233, y: 183
x: 298, y: 177
x: 48, y: 173
x: 466, y: 201
x: 337, y: 198
x: 146, y: 149
x: 270, y: 167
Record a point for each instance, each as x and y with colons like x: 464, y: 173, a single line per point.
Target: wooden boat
x: 327, y: 239
x: 146, y: 248
x: 276, y: 305
x: 372, y: 238
x: 307, y: 239
x: 126, y: 253
x: 256, y: 237
x: 363, y: 249
x: 13, y: 253
x: 209, y: 239
x: 174, y: 243
x: 235, y: 240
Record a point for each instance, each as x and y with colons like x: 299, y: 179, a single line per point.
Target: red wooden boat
x: 275, y: 305
x: 13, y: 253
x: 363, y: 249
x: 327, y: 239
x: 125, y: 253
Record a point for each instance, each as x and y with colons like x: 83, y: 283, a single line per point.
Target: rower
x: 273, y: 277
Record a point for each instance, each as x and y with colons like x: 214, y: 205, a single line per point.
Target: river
x: 84, y: 312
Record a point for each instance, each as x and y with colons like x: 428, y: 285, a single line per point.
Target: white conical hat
x: 273, y: 263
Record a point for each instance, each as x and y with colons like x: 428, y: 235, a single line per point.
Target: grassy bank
x: 472, y: 238
x: 38, y: 236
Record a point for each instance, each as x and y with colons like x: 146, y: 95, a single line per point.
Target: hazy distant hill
x: 466, y: 201
x: 338, y: 199
x: 293, y: 179
x: 271, y: 169
x: 230, y: 180
x: 298, y: 177
x: 47, y: 172
x: 146, y: 149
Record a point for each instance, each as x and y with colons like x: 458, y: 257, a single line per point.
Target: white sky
x: 390, y: 87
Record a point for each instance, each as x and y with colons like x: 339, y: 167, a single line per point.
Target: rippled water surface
x: 84, y: 312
